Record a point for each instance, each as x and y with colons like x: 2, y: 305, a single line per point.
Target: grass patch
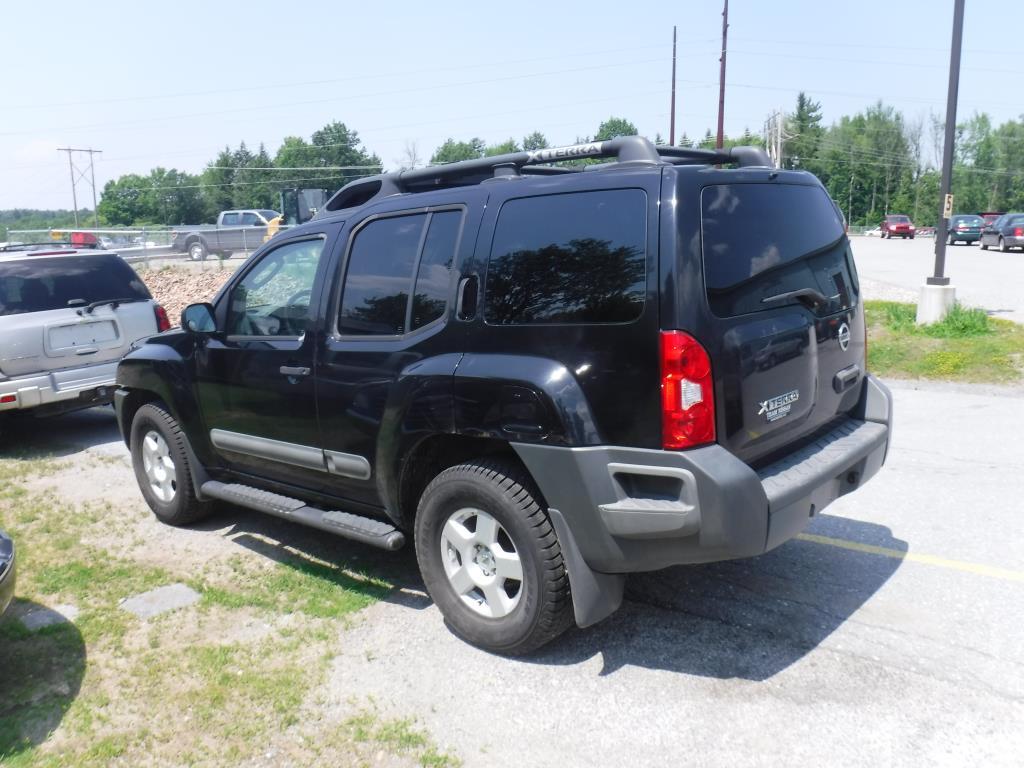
x: 967, y: 345
x: 398, y: 737
x: 316, y: 589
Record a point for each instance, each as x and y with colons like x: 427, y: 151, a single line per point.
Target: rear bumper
x: 967, y: 237
x: 631, y: 509
x: 8, y: 571
x: 62, y: 390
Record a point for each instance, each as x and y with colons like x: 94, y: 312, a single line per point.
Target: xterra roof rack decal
x: 634, y: 150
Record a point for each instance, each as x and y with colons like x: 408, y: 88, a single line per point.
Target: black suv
x: 547, y: 376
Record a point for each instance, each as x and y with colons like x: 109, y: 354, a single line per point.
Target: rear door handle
x: 289, y: 370
x: 846, y: 378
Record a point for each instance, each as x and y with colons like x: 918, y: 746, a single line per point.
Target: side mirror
x: 198, y: 318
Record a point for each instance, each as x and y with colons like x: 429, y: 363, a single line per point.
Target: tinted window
x: 379, y: 276
x: 230, y: 219
x: 273, y: 299
x: 40, y: 283
x: 250, y: 219
x: 761, y: 240
x: 574, y: 258
x: 268, y: 215
x: 430, y: 295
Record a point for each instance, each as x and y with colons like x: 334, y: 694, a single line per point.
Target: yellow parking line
x: 956, y: 565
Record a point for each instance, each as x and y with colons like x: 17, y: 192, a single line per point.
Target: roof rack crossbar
x: 623, y: 149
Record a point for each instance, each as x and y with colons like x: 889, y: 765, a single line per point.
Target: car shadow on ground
x: 40, y: 676
x: 748, y: 619
x: 25, y: 437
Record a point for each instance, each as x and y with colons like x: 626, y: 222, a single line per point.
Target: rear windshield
x: 39, y: 284
x: 763, y: 240
x: 972, y: 221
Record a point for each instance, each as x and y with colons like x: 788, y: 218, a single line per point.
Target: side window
x: 250, y: 219
x: 379, y: 277
x: 230, y: 219
x: 432, y: 276
x: 570, y: 258
x: 273, y: 298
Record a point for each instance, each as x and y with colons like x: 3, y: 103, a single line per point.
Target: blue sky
x: 171, y: 83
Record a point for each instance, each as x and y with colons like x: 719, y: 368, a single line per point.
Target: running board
x: 364, y: 529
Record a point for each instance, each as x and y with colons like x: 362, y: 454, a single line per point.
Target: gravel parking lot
x: 888, y: 634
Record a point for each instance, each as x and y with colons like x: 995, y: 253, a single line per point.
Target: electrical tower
x: 775, y: 137
x: 77, y: 174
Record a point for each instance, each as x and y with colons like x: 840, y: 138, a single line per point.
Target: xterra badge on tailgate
x: 777, y: 407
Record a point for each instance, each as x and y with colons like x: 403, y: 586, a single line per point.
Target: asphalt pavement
x: 987, y: 279
x: 888, y: 634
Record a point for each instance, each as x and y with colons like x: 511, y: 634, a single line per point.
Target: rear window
x: 40, y: 284
x: 762, y: 240
x: 572, y: 258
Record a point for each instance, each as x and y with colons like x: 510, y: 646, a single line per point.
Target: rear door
x: 787, y: 328
x: 49, y: 318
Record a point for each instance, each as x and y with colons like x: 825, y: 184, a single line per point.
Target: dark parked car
x: 965, y: 228
x: 989, y: 216
x: 897, y: 225
x: 1004, y: 233
x: 7, y: 571
x: 546, y: 377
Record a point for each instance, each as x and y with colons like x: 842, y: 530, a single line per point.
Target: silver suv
x: 66, y: 318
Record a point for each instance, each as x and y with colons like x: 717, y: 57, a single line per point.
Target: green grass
x: 967, y: 345
x: 109, y: 688
x: 398, y: 737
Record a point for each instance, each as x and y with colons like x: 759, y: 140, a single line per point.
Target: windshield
x: 898, y: 219
x: 39, y: 284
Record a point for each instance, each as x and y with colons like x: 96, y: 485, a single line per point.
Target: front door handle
x: 289, y: 370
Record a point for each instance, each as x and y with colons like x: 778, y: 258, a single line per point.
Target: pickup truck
x: 241, y: 230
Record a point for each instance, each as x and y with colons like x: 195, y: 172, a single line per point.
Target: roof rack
x: 631, y: 150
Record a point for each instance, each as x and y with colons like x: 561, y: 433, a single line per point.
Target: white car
x: 67, y: 317
x: 876, y: 232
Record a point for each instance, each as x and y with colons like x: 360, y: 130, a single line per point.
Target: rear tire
x: 984, y: 247
x: 1003, y: 248
x: 197, y: 250
x: 490, y: 558
x: 161, y: 466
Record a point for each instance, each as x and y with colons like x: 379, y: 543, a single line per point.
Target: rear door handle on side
x: 289, y: 370
x: 465, y: 303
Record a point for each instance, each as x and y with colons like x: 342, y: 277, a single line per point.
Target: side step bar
x: 365, y: 529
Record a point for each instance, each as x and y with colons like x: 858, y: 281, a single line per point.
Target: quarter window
x: 571, y: 258
x: 273, y: 299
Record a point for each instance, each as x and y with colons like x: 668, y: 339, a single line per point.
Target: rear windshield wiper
x: 809, y: 296
x: 114, y: 303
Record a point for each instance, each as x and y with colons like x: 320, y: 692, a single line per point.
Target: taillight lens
x: 162, y: 321
x: 1018, y: 232
x: 687, y: 392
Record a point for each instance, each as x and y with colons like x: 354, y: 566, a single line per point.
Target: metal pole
x: 672, y: 109
x: 74, y: 195
x: 92, y: 180
x: 947, y: 148
x: 721, y: 79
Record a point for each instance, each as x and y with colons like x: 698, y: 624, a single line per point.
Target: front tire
x: 161, y: 467
x: 490, y: 558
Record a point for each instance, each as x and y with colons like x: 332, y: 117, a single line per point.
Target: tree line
x: 874, y: 162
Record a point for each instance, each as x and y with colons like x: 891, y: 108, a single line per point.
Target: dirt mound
x: 176, y: 288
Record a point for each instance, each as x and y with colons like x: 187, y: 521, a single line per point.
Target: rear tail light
x: 687, y: 392
x: 1018, y: 232
x: 162, y: 321
x: 5, y: 399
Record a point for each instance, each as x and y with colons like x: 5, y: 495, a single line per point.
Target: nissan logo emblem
x: 844, y: 337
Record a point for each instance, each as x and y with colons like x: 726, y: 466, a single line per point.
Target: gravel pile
x: 176, y: 288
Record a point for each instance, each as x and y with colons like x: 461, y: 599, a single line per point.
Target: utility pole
x: 672, y: 109
x: 937, y: 295
x: 721, y: 78
x: 77, y: 174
